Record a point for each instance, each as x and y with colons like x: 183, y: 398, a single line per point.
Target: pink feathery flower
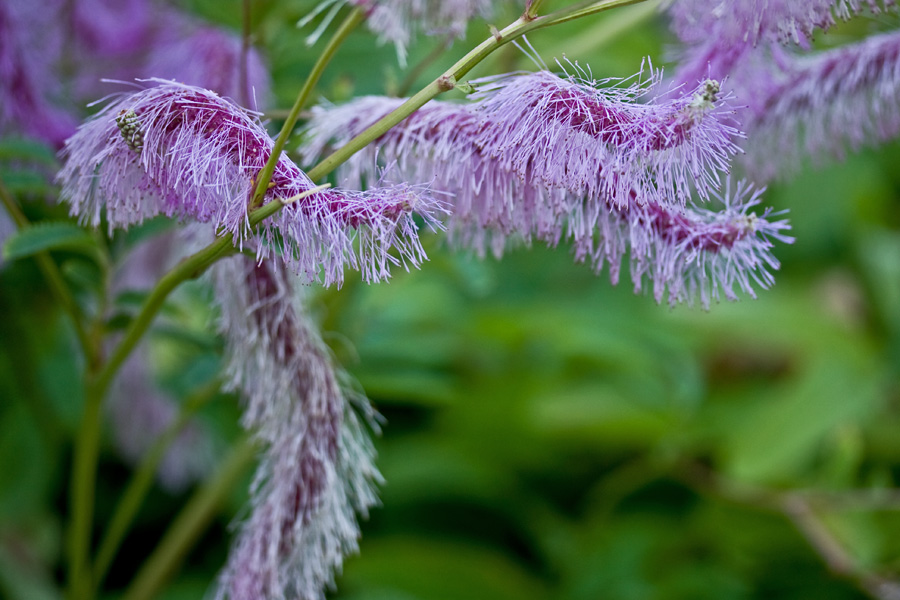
x: 821, y: 104
x: 685, y: 253
x: 186, y: 152
x: 784, y: 21
x: 317, y: 472
x: 595, y: 138
x: 691, y: 252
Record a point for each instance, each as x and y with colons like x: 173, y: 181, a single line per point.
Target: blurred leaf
x: 14, y: 149
x: 48, y: 236
x: 435, y: 569
x: 784, y: 432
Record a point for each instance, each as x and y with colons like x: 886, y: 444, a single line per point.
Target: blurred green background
x: 548, y: 436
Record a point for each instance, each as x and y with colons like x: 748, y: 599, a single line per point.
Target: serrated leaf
x: 47, y: 236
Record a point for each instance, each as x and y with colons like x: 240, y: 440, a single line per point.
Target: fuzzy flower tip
x: 595, y: 138
x: 317, y: 470
x: 185, y: 152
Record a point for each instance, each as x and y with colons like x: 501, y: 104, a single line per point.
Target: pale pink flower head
x: 186, y: 152
x: 687, y: 253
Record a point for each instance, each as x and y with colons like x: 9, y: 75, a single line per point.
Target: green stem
x: 142, y: 480
x: 189, y: 524
x: 447, y: 81
x: 84, y: 473
x: 356, y: 16
x: 532, y: 11
x: 55, y: 280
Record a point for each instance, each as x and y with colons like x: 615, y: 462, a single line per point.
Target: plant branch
x: 190, y: 524
x: 356, y: 16
x: 796, y: 507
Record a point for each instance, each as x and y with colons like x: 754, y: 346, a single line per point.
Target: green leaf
x: 47, y: 236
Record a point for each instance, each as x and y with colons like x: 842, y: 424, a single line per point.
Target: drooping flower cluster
x: 826, y: 103
x: 316, y: 473
x: 185, y: 152
x: 540, y: 157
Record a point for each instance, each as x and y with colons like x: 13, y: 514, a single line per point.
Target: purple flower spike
x: 317, y: 471
x: 27, y: 79
x: 214, y: 63
x: 598, y: 141
x: 822, y: 104
x: 784, y: 21
x: 185, y: 152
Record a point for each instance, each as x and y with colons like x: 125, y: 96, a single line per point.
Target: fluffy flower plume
x: 595, y: 138
x: 317, y: 472
x: 691, y: 252
x: 397, y: 21
x: 822, y: 104
x: 185, y: 152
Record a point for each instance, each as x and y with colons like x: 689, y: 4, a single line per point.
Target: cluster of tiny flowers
x: 198, y: 158
x: 398, y: 21
x: 317, y: 471
x: 503, y: 185
x: 719, y: 35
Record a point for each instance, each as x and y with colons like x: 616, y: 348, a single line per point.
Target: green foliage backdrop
x: 547, y: 435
